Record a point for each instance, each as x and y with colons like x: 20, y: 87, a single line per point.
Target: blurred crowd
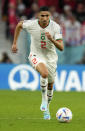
x: 70, y: 14
x: 5, y: 58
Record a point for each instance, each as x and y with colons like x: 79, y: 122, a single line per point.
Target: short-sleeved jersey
x: 40, y: 44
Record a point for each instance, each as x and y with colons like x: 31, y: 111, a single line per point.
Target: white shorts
x: 51, y: 66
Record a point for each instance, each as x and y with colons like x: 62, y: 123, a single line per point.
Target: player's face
x: 44, y: 17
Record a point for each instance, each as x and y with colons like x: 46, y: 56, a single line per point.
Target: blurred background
x: 70, y: 14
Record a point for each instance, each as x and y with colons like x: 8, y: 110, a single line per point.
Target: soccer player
x: 46, y: 36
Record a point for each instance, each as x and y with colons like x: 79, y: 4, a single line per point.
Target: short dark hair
x: 43, y: 8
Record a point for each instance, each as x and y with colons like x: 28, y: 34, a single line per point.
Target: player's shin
x: 44, y: 84
x: 49, y: 95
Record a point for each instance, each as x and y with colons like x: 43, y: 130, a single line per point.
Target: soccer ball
x: 64, y: 115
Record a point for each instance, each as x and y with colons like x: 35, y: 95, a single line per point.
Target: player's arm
x: 57, y: 43
x: 16, y: 35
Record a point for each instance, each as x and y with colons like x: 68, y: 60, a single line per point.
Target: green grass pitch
x: 20, y: 111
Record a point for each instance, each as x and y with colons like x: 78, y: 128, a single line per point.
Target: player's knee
x: 44, y: 74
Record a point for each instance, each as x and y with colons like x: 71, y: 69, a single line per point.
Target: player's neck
x: 43, y: 25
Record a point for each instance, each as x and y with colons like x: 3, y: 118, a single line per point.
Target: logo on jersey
x: 23, y: 77
x: 42, y: 36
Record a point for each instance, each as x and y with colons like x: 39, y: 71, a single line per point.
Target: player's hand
x: 14, y: 48
x: 48, y: 35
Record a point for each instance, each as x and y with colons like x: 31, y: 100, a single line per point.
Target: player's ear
x: 38, y: 15
x: 50, y: 14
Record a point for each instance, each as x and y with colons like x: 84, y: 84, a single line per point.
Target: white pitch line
x: 20, y: 118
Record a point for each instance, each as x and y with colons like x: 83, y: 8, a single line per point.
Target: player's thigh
x: 38, y: 64
x: 42, y: 69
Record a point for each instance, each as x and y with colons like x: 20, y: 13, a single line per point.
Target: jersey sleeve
x: 58, y: 32
x: 27, y: 24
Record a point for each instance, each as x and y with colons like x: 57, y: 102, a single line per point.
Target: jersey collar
x: 41, y: 26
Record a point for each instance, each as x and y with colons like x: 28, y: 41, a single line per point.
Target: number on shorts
x: 34, y: 60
